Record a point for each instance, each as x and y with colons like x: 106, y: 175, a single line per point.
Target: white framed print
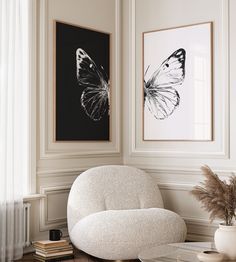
x: 177, y: 89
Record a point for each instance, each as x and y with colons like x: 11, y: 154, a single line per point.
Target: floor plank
x: 79, y: 257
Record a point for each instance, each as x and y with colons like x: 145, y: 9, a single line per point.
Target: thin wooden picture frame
x: 159, y: 83
x: 94, y: 130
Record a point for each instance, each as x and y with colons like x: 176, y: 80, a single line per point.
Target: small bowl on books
x: 210, y: 256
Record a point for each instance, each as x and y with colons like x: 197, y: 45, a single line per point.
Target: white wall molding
x: 32, y: 97
x: 50, y: 154
x: 183, y: 175
x: 131, y: 92
x: 49, y: 149
x: 60, y: 172
x: 165, y: 175
x: 45, y: 222
x: 225, y: 54
x: 195, y: 149
x: 33, y: 197
x: 176, y: 186
x: 43, y: 21
x: 200, y: 229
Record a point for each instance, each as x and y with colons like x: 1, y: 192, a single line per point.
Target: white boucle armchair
x: 114, y: 212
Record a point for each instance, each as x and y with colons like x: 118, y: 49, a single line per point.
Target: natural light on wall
x: 14, y: 123
x: 202, y: 119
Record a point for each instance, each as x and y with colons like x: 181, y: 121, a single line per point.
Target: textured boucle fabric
x: 122, y: 234
x: 114, y: 212
x: 110, y: 188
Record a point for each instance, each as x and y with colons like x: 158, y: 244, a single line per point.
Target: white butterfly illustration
x: 95, y: 96
x: 160, y: 96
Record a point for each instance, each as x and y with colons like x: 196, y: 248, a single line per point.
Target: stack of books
x: 50, y: 251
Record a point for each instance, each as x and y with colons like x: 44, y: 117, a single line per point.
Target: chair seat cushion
x: 123, y: 234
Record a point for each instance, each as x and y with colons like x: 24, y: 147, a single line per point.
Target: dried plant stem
x: 217, y: 197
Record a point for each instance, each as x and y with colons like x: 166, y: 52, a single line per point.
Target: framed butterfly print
x: 82, y: 83
x: 177, y: 83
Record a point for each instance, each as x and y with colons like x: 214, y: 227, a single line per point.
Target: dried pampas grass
x: 217, y: 197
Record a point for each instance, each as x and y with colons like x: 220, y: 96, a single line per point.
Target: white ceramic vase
x: 225, y: 241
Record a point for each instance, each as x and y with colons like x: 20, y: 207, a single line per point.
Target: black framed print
x: 82, y: 83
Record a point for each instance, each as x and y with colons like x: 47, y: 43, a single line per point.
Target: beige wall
x: 175, y: 165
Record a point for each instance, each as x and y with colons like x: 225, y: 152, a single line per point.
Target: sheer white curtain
x: 14, y: 123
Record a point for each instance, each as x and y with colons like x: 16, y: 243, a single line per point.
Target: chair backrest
x: 111, y: 188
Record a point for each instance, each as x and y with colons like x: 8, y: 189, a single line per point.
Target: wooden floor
x: 79, y: 257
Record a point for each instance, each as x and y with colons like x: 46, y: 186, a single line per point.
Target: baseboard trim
x: 200, y: 229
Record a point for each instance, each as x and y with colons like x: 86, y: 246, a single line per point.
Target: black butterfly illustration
x: 95, y: 96
x: 160, y: 96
